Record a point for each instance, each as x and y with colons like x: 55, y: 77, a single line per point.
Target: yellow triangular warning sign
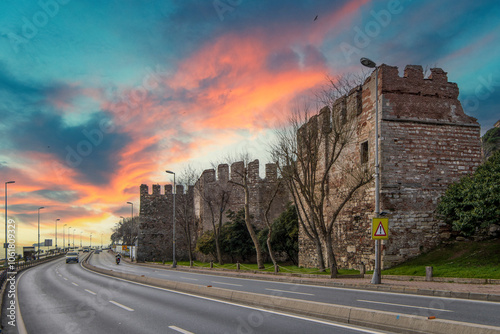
x: 380, y: 232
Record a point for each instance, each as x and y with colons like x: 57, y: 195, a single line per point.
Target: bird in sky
x: 316, y: 18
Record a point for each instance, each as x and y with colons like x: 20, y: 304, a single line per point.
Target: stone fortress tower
x: 426, y: 142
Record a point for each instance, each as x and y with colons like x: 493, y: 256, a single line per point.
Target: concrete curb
x: 352, y: 315
x: 370, y: 287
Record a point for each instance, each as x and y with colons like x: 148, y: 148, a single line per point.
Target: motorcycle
x: 117, y: 260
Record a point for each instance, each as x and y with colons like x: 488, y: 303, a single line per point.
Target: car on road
x: 97, y: 251
x: 72, y: 257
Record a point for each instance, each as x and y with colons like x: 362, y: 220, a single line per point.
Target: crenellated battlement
x: 167, y: 190
x: 413, y: 82
x: 236, y: 171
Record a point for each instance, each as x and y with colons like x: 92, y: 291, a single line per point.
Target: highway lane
x: 471, y: 311
x: 66, y: 298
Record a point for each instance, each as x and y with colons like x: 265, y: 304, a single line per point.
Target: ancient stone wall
x: 157, y: 215
x: 426, y: 143
x: 156, y: 228
x: 209, y: 190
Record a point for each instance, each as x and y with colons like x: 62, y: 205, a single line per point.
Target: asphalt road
x: 66, y: 298
x: 470, y: 311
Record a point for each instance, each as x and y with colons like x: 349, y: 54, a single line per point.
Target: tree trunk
x: 216, y: 237
x: 217, y: 247
x: 271, y: 254
x: 331, y: 256
x: 219, y: 252
x: 319, y: 251
x: 258, y: 250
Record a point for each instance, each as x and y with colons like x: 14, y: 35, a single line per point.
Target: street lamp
x: 64, y: 239
x: 74, y: 229
x: 56, y: 232
x: 174, y: 263
x: 137, y: 241
x: 81, y: 239
x: 6, y: 183
x: 69, y: 237
x: 39, y: 230
x: 376, y: 278
x: 90, y: 246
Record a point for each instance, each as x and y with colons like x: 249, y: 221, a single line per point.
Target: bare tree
x: 242, y: 179
x: 278, y: 187
x: 124, y: 232
x: 315, y: 157
x: 185, y: 209
x: 216, y: 200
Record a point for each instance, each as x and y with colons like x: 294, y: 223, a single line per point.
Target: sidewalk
x: 485, y: 292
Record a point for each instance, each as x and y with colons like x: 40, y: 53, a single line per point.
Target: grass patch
x: 458, y: 259
x: 268, y: 268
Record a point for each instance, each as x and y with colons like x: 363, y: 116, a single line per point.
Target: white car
x: 72, y: 257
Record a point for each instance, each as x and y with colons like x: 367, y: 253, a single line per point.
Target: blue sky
x: 98, y: 97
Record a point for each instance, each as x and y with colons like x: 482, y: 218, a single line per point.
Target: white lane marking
x: 180, y: 330
x: 121, y: 305
x: 192, y: 279
x: 91, y: 292
x: 325, y: 322
x: 64, y: 278
x: 60, y: 275
x: 163, y: 275
x: 298, y: 293
x: 74, y: 283
x: 215, y: 282
x: 402, y: 305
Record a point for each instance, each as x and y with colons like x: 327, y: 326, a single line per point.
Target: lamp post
x: 64, y: 239
x: 69, y: 237
x: 132, y: 220
x: 174, y: 262
x: 81, y: 239
x: 39, y: 231
x: 376, y: 278
x: 56, y: 231
x: 74, y: 229
x: 90, y: 245
x: 101, y: 240
x: 6, y: 183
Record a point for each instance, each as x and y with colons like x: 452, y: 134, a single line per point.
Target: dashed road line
x: 180, y: 330
x: 64, y: 278
x: 91, y: 292
x: 215, y: 282
x: 298, y: 293
x: 121, y: 305
x: 192, y: 279
x: 74, y: 283
x: 402, y: 305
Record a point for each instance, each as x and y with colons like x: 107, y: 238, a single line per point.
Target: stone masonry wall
x: 208, y: 187
x: 426, y: 143
x: 156, y: 216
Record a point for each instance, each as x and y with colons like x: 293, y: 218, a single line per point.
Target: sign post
x: 380, y: 228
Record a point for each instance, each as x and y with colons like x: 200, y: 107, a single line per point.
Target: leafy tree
x: 206, y: 244
x: 474, y: 202
x: 285, y: 234
x: 491, y: 142
x: 310, y: 152
x: 237, y: 241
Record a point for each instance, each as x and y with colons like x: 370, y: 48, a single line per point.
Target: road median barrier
x: 389, y: 321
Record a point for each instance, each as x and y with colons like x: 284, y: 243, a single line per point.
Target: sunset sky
x: 98, y: 97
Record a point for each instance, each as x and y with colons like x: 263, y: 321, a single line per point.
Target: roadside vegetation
x: 466, y: 259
